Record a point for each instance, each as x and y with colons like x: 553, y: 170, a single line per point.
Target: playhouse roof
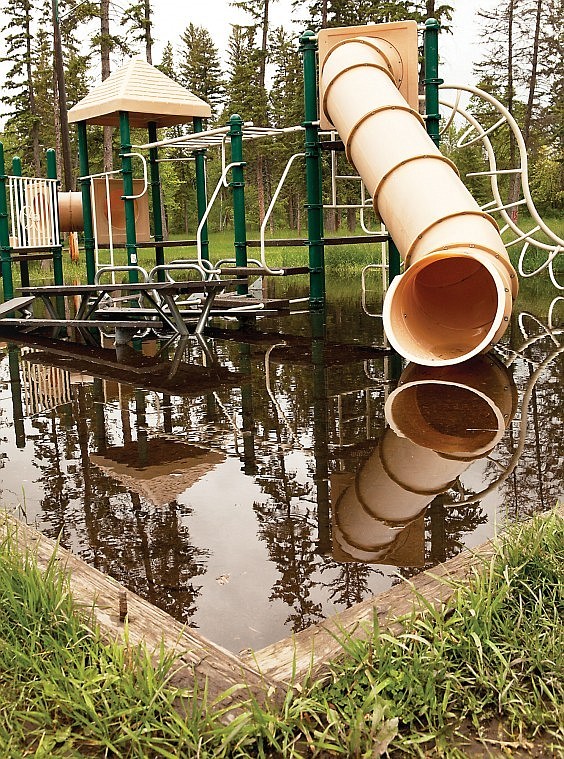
x: 145, y: 93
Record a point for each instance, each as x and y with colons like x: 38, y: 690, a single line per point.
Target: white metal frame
x: 476, y: 133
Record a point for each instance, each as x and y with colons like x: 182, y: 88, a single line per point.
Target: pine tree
x: 167, y: 64
x: 250, y: 101
x: 335, y: 13
x: 521, y: 41
x: 200, y: 69
x: 137, y: 19
x: 23, y: 117
x: 286, y: 108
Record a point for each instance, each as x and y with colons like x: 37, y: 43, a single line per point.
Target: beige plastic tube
x: 455, y: 297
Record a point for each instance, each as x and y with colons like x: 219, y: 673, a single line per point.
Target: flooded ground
x: 263, y: 479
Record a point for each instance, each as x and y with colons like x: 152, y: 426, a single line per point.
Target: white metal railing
x: 34, y: 214
x: 45, y: 387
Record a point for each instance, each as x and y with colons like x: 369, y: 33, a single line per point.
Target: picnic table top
x: 170, y: 287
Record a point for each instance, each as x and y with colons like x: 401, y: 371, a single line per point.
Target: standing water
x: 262, y: 479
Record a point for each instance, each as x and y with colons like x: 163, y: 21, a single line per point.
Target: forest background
x: 258, y: 74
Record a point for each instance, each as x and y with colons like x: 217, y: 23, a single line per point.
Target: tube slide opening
x: 451, y: 419
x: 445, y: 308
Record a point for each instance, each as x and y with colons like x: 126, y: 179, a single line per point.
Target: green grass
x: 340, y: 260
x: 490, y: 664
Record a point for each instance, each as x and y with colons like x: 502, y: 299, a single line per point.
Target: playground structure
x: 453, y: 299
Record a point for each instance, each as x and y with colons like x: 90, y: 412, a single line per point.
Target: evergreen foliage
x: 261, y: 79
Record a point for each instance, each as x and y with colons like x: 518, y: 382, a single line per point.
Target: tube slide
x: 455, y: 297
x: 440, y: 420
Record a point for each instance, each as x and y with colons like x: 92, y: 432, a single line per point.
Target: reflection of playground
x: 441, y: 419
x: 158, y: 469
x: 159, y: 372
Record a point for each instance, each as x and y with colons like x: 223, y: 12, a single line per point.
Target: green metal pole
x: 238, y: 185
x: 58, y: 250
x: 308, y: 47
x: 127, y: 173
x: 5, y: 248
x: 16, y: 389
x: 394, y: 260
x: 86, y: 203
x: 432, y: 81
x: 321, y: 432
x: 24, y: 265
x: 249, y: 454
x: 156, y: 198
x: 201, y: 193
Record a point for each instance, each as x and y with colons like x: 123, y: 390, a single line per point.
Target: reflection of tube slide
x: 455, y: 297
x: 440, y: 420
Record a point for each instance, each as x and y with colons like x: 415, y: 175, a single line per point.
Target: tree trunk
x: 61, y: 116
x: 351, y: 219
x: 32, y: 103
x: 260, y: 187
x: 534, y: 74
x: 514, y: 181
x: 264, y: 45
x: 105, y: 62
x: 147, y: 29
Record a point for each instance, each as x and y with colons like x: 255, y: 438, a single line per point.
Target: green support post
x: 127, y: 173
x: 58, y: 249
x: 321, y: 433
x: 86, y: 203
x: 156, y: 198
x: 308, y: 48
x: 249, y: 453
x: 394, y: 260
x: 432, y: 81
x: 201, y: 193
x: 16, y: 388
x: 24, y: 265
x: 5, y: 247
x: 238, y: 185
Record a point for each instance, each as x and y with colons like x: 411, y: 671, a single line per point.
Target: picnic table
x: 99, y: 304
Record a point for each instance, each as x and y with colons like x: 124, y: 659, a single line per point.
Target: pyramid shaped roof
x: 145, y: 93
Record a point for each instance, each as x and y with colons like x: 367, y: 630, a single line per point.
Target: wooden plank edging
x: 270, y: 669
x: 198, y: 659
x: 308, y: 652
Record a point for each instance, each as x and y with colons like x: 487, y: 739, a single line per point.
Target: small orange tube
x: 70, y: 212
x: 455, y: 297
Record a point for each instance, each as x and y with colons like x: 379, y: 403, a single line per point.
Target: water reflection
x: 440, y: 420
x: 221, y: 480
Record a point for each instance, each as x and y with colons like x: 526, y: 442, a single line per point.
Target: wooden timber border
x: 273, y: 668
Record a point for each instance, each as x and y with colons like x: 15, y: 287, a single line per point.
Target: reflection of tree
x: 290, y: 539
x: 536, y: 482
x: 292, y: 549
x: 146, y: 548
x: 351, y: 583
